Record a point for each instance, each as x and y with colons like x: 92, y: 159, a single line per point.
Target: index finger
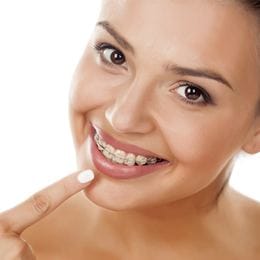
x: 42, y: 203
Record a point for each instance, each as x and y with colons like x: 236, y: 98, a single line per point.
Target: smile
x: 122, y: 157
x: 119, y: 160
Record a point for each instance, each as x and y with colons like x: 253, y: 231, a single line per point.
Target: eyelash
x: 207, y: 98
x: 101, y: 46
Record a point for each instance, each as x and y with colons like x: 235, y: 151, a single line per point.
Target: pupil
x: 117, y: 58
x: 192, y: 93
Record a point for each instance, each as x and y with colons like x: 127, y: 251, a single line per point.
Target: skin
x: 187, y: 210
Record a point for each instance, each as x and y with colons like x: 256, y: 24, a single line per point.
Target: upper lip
x: 129, y: 148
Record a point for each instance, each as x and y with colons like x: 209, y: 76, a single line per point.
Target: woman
x: 164, y: 98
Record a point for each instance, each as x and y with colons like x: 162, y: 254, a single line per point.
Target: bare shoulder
x: 250, y: 208
x: 247, y: 215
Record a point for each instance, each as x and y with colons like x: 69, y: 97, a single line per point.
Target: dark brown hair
x: 254, y: 6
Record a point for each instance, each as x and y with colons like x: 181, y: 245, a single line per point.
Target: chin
x: 118, y: 200
x: 109, y: 202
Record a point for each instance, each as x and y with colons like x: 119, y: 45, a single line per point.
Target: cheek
x: 203, y: 141
x: 202, y: 148
x: 88, y: 89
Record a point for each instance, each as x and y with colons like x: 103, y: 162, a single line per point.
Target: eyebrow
x: 205, y: 73
x: 175, y: 68
x: 120, y: 39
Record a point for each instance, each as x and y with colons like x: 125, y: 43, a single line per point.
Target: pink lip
x: 129, y: 148
x: 119, y: 171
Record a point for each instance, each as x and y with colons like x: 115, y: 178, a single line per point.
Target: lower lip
x: 116, y: 170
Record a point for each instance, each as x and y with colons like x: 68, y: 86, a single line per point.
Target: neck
x: 178, y: 222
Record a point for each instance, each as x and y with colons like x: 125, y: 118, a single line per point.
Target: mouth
x: 119, y: 160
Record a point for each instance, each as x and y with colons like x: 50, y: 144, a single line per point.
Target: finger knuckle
x: 40, y: 203
x: 19, y: 248
x: 4, y: 225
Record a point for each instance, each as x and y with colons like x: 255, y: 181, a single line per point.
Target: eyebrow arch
x: 120, y: 39
x: 206, y: 73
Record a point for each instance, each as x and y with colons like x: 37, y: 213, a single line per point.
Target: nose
x: 130, y: 111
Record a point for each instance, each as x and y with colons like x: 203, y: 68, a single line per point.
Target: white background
x: 40, y: 45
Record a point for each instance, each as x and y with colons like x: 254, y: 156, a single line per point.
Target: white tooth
x: 110, y: 148
x: 129, y: 159
x: 140, y: 160
x: 119, y: 156
x: 108, y: 152
x: 151, y: 160
x: 117, y: 159
x: 102, y: 143
x: 96, y: 137
x: 120, y: 153
x: 100, y: 148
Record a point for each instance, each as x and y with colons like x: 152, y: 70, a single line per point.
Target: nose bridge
x: 135, y: 95
x: 130, y: 110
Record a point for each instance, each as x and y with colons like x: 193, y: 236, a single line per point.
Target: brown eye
x: 192, y: 94
x: 109, y: 54
x: 113, y: 56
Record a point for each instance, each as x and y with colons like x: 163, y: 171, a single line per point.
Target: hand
x: 14, y: 221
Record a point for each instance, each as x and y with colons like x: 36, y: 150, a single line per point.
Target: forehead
x: 211, y: 33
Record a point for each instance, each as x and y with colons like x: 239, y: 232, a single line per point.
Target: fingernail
x: 86, y: 176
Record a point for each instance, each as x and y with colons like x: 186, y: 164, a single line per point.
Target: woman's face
x: 177, y: 52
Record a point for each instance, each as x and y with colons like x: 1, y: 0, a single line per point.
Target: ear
x: 252, y: 144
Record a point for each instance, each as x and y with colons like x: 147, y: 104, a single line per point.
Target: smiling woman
x: 160, y: 108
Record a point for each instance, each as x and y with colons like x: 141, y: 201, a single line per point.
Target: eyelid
x: 208, y: 100
x: 187, y: 83
x: 100, y: 46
